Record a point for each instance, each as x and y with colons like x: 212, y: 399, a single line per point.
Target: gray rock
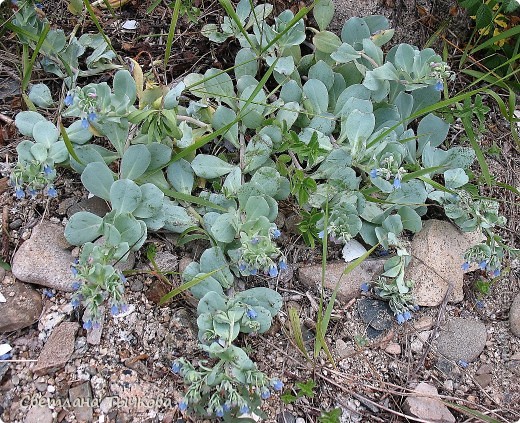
x: 375, y: 313
x: 437, y: 252
x: 403, y: 15
x: 58, y: 349
x: 514, y: 316
x: 39, y: 415
x: 462, y: 340
x: 183, y: 264
x: 95, y: 205
x: 166, y: 261
x: 350, y: 284
x: 82, y: 395
x: 22, y: 308
x: 286, y: 417
x: 484, y: 379
x: 425, y: 404
x: 44, y: 259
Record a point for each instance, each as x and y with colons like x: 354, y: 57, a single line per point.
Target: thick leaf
x: 323, y: 13
x: 25, y: 122
x: 223, y: 229
x: 40, y: 95
x: 209, y: 167
x: 135, y: 161
x: 151, y: 201
x: 318, y: 95
x: 326, y: 42
x: 224, y: 116
x: 83, y: 227
x: 45, y: 133
x: 98, y: 179
x: 410, y: 219
x: 180, y: 175
x: 124, y: 86
x: 125, y: 195
x: 218, y: 85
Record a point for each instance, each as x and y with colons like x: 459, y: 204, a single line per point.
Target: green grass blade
x: 296, y: 329
x: 303, y: 11
x: 68, y: 144
x: 171, y: 31
x: 510, y: 33
x: 28, y: 66
x: 152, y: 7
x: 468, y: 126
x: 95, y: 20
x: 186, y: 286
x: 471, y: 413
x: 228, y: 7
x: 192, y: 199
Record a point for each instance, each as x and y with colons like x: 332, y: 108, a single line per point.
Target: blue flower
x: 176, y: 367
x: 69, y: 99
x: 39, y: 6
x: 255, y: 240
x: 251, y: 313
x: 183, y: 405
x: 96, y: 325
x: 48, y: 293
x: 87, y: 325
x: 265, y: 393
x: 465, y: 266
x: 124, y: 308
x: 51, y: 192
x: 20, y: 193
x: 365, y: 287
x: 439, y: 85
x: 283, y: 265
x: 76, y: 285
x: 114, y: 309
x: 244, y: 409
x: 400, y: 319
x: 416, y: 307
x: 74, y: 270
x: 75, y: 303
x: 5, y: 356
x: 122, y: 277
x: 463, y: 364
x: 253, y: 272
x: 321, y: 235
x: 482, y: 265
x: 273, y: 271
x: 47, y: 170
x: 407, y: 315
x: 277, y: 233
x: 92, y: 116
x: 226, y: 407
x: 219, y: 412
x: 242, y: 267
x: 479, y: 304
x: 277, y: 384
x: 84, y: 123
x: 496, y: 272
x: 374, y: 173
x: 397, y: 183
x: 32, y: 192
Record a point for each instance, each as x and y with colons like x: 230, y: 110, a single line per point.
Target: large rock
x: 437, y: 256
x: 462, y: 340
x: 22, y: 308
x: 82, y: 396
x: 514, y: 316
x: 58, y: 349
x: 350, y: 284
x: 45, y: 258
x: 425, y: 404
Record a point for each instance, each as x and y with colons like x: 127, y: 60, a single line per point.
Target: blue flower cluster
x: 36, y: 177
x: 485, y: 265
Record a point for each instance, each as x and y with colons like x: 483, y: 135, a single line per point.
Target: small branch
x: 6, y: 119
x: 242, y: 156
x: 295, y: 161
x: 372, y: 61
x: 194, y: 121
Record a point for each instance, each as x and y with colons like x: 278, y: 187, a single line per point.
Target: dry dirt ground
x: 370, y: 378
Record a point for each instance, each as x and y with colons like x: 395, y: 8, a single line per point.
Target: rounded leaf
x: 151, y: 201
x: 25, y: 122
x: 209, y: 167
x: 45, y: 133
x: 83, y: 227
x: 125, y: 195
x: 40, y: 95
x: 97, y: 178
x: 135, y: 161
